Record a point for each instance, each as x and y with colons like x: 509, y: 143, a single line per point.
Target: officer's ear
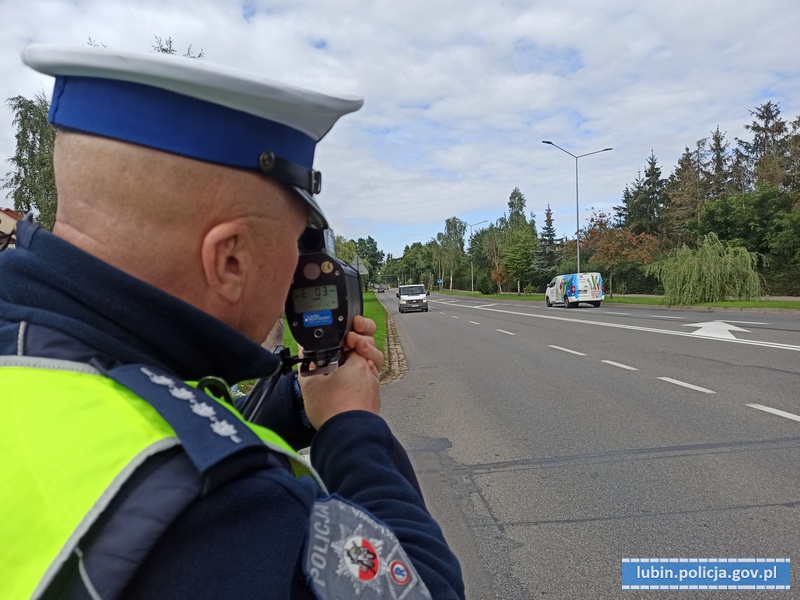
x: 226, y: 261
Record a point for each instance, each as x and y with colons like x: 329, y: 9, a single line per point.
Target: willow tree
x: 714, y: 271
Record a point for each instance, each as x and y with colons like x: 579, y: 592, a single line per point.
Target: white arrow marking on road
x: 716, y: 329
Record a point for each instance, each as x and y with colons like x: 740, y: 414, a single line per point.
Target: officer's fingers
x: 364, y: 326
x: 353, y: 339
x: 365, y: 346
x: 367, y: 349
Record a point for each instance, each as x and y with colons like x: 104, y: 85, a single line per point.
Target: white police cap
x: 193, y: 109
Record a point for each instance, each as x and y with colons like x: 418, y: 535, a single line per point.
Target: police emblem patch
x: 350, y: 554
x: 361, y: 558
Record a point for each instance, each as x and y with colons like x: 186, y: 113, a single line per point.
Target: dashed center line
x: 608, y: 312
x: 455, y: 317
x: 687, y: 385
x: 664, y: 317
x: 775, y: 411
x: 620, y: 365
x: 506, y: 332
x: 474, y: 322
x: 567, y: 350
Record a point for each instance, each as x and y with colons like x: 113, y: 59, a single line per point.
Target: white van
x: 412, y: 297
x: 574, y: 288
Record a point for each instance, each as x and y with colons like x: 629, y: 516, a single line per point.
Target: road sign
x: 360, y: 266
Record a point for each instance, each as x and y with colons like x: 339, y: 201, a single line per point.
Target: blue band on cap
x: 175, y: 123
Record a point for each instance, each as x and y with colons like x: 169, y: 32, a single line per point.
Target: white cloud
x: 460, y: 94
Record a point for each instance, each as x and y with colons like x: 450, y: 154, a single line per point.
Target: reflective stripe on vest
x: 70, y: 442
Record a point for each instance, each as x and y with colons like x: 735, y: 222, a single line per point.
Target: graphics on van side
x: 564, y: 285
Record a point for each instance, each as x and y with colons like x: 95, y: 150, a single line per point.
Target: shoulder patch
x: 350, y: 554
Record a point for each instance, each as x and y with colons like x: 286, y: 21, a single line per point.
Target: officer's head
x: 194, y: 178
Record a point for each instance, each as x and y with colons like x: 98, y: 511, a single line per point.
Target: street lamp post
x: 471, y: 260
x: 577, y: 206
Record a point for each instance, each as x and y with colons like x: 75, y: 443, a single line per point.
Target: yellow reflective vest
x: 71, y: 440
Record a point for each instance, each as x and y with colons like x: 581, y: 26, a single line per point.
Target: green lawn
x: 621, y: 299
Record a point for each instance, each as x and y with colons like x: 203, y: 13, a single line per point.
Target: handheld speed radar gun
x: 324, y: 298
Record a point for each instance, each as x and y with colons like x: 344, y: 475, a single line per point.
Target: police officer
x: 183, y: 189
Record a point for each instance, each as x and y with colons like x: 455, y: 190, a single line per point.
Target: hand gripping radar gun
x: 324, y: 298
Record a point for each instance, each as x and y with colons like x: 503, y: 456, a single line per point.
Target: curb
x: 396, y: 366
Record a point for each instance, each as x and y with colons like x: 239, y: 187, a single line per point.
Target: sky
x: 460, y: 94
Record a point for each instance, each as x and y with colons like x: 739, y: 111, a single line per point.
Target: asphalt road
x: 553, y: 443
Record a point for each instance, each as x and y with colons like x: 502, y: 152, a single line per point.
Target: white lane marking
x: 455, y: 317
x: 608, y: 312
x: 687, y: 385
x: 506, y: 332
x: 567, y: 350
x: 664, y: 317
x: 640, y: 328
x: 441, y: 313
x: 746, y: 322
x: 718, y: 329
x: 474, y: 322
x: 620, y: 365
x: 486, y: 305
x: 775, y: 411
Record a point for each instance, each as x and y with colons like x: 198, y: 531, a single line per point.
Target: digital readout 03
x: 316, y: 297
